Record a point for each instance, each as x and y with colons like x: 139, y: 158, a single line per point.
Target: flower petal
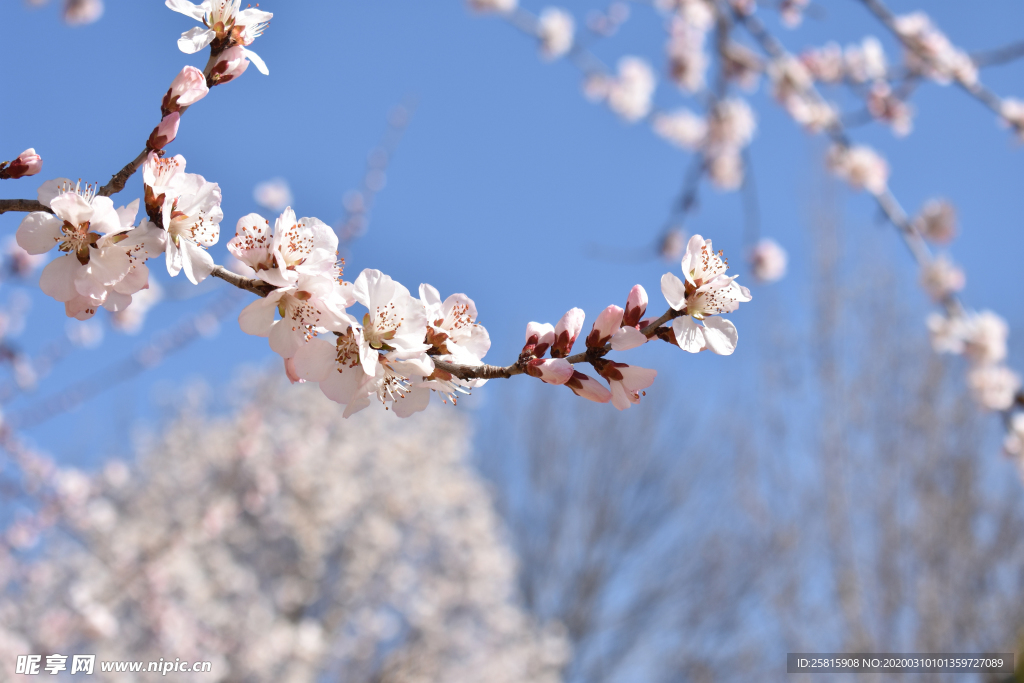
x: 258, y: 317
x: 689, y: 335
x: 627, y: 338
x: 58, y: 278
x: 257, y: 60
x: 316, y: 360
x: 195, y: 39
x: 39, y: 232
x: 674, y: 290
x: 721, y: 336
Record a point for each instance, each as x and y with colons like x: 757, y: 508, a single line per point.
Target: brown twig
x: 26, y: 205
x: 257, y: 287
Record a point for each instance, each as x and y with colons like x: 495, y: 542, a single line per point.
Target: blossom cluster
x: 369, y: 339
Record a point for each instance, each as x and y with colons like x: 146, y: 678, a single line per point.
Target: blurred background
x: 828, y: 488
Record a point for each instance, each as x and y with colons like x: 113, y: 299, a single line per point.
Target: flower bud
x: 636, y: 306
x: 566, y: 331
x: 539, y: 336
x: 187, y: 88
x: 165, y: 133
x: 27, y: 163
x: 607, y: 323
x: 231, y: 64
x: 550, y: 370
x: 589, y: 388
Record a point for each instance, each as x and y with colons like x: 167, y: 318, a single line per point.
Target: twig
x: 26, y: 205
x: 257, y: 287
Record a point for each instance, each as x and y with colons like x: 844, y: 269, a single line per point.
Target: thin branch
x: 257, y: 287
x: 975, y: 90
x: 999, y: 55
x: 120, y: 179
x: 26, y: 205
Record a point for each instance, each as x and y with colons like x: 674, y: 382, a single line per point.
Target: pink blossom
x: 626, y: 381
x: 164, y: 133
x: 860, y: 166
x: 187, y: 88
x: 608, y: 323
x: 589, y: 388
x: 550, y: 370
x: 539, y: 338
x: 994, y: 387
x: 231, y: 64
x: 636, y: 306
x: 566, y: 331
x: 28, y: 163
x: 937, y: 221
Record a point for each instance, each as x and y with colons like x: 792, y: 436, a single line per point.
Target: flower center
x: 77, y: 239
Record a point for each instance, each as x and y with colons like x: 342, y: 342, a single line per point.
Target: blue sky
x: 506, y: 180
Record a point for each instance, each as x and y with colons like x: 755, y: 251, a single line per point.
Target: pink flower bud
x: 636, y: 306
x: 605, y: 326
x: 539, y: 336
x: 566, y: 331
x: 187, y: 88
x: 165, y: 133
x: 231, y: 64
x: 27, y: 163
x: 589, y: 388
x: 550, y: 370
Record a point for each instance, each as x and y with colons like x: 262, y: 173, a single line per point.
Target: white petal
x: 49, y: 190
x: 689, y: 335
x: 620, y: 399
x: 195, y: 39
x: 195, y: 261
x: 39, y: 232
x: 255, y: 59
x: 187, y: 8
x: 415, y: 400
x: 127, y: 214
x: 721, y: 335
x: 316, y: 360
x: 258, y: 317
x: 58, y: 278
x: 284, y: 340
x: 674, y: 290
x: 626, y: 338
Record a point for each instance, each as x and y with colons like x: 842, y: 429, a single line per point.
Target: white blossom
x: 768, y: 261
x: 937, y: 221
x: 630, y: 95
x: 222, y: 21
x: 994, y: 387
x: 706, y: 293
x: 941, y: 277
x: 860, y: 166
x: 556, y: 32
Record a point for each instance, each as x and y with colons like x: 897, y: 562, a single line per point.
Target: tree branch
x: 26, y: 205
x: 257, y: 287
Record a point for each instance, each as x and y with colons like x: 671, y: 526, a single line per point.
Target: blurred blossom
x: 942, y: 277
x: 556, y: 29
x: 1012, y: 111
x: 20, y: 262
x: 81, y: 12
x: 742, y: 66
x: 824, y: 63
x: 792, y: 12
x: 630, y: 94
x: 493, y: 5
x: 981, y: 337
x: 397, y: 562
x: 85, y: 333
x: 682, y: 128
x: 673, y: 245
x: 768, y: 261
x: 273, y: 194
x: 885, y: 106
x: 937, y: 221
x: 930, y: 52
x: 860, y: 166
x: 866, y: 61
x: 725, y: 169
x: 1013, y: 444
x: 731, y: 125
x: 687, y: 61
x: 993, y: 387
